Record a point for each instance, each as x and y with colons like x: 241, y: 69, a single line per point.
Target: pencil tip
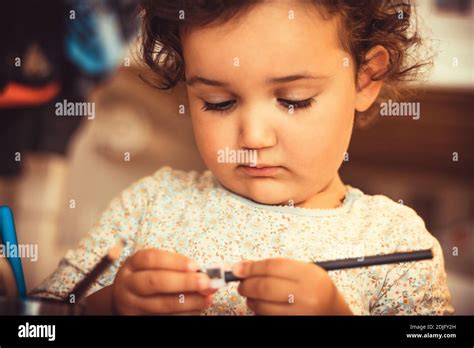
x: 114, y: 252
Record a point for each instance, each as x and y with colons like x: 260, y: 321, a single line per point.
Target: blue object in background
x: 94, y: 40
x: 8, y: 237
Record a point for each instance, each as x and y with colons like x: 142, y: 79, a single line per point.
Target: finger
x: 161, y: 259
x: 173, y: 304
x: 269, y: 308
x: 145, y: 283
x: 276, y: 267
x: 208, y: 291
x: 268, y: 289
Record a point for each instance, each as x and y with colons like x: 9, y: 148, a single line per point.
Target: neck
x: 329, y: 197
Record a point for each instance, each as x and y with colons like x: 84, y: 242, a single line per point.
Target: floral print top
x: 193, y: 214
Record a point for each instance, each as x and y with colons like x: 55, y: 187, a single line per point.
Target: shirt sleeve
x: 121, y: 220
x: 415, y: 288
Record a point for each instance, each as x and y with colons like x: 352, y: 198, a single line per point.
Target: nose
x: 256, y: 130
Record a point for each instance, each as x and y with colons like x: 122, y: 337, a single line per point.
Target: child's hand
x: 288, y: 287
x: 155, y: 281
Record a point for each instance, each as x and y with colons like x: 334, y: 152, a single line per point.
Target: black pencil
x: 333, y: 265
x: 81, y: 288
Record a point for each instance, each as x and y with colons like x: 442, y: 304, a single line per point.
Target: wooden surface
x: 446, y: 125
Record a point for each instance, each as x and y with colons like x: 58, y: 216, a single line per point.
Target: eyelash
x: 219, y: 107
x: 297, y: 104
x: 226, y: 106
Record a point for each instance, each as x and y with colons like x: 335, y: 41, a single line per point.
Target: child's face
x: 260, y: 64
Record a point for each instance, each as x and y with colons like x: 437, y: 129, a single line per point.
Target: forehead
x: 270, y: 38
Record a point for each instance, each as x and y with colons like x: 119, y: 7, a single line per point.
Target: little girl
x: 282, y: 82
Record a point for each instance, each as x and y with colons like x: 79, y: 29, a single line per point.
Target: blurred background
x: 59, y: 173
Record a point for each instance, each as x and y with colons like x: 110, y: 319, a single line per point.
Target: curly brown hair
x: 363, y: 24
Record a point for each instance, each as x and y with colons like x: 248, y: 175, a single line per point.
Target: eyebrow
x: 303, y: 76
x: 202, y: 80
x: 295, y: 77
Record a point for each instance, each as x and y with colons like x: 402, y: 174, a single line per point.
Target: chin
x: 269, y: 200
x: 270, y: 193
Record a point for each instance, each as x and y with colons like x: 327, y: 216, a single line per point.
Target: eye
x: 223, y: 106
x: 296, y: 104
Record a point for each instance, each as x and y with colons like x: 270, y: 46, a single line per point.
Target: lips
x: 260, y: 170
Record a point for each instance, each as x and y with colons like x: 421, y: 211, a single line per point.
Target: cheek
x: 211, y: 134
x: 321, y: 138
x: 206, y: 140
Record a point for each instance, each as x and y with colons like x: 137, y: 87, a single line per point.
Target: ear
x: 367, y: 90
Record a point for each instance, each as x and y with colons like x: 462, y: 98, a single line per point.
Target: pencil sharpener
x: 217, y: 275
